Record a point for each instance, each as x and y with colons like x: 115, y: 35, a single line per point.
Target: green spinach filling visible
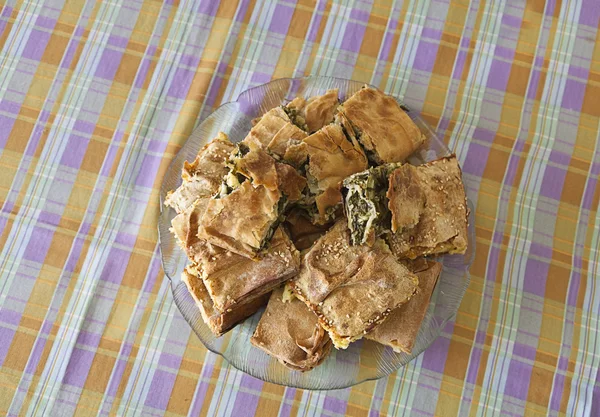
x: 366, y: 204
x: 295, y: 117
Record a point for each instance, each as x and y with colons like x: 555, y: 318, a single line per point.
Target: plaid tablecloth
x: 97, y: 97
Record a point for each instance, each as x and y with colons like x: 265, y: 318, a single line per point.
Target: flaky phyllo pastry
x: 290, y: 332
x: 351, y: 288
x: 317, y: 212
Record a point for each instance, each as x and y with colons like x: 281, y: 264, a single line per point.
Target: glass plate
x: 363, y: 360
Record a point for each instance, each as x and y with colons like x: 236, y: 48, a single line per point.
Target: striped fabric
x: 97, y: 97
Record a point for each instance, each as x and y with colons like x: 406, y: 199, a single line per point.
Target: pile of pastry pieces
x: 317, y: 214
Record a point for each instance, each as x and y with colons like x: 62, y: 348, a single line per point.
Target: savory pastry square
x: 290, y: 332
x: 267, y: 126
x: 219, y: 322
x: 251, y: 203
x: 331, y: 158
x: 202, y: 177
x: 365, y: 203
x: 230, y: 278
x: 384, y: 130
x: 400, y: 329
x: 285, y: 140
x: 314, y: 113
x: 351, y: 288
x: 429, y: 209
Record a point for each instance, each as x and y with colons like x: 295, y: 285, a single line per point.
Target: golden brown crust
x: 290, y: 182
x: 259, y: 166
x: 319, y: 110
x: 385, y: 131
x: 331, y: 159
x: 267, y: 127
x: 442, y: 225
x: 240, y: 221
x: 290, y: 332
x: 203, y: 176
x: 232, y: 279
x: 185, y: 228
x: 219, y: 323
x: 400, y: 329
x: 287, y: 136
x: 406, y: 197
x: 351, y: 288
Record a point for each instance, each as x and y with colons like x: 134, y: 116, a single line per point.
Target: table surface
x: 96, y: 98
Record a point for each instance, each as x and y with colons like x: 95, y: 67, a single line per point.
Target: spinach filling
x: 295, y: 117
x: 232, y: 179
x: 366, y: 204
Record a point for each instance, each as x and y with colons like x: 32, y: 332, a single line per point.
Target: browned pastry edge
x: 290, y: 332
x: 400, y: 330
x: 219, y: 323
x: 456, y: 244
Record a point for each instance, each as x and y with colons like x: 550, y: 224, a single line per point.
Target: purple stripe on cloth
x: 536, y: 273
x: 108, y: 65
x: 476, y: 159
x: 498, y: 75
x: 74, y: 151
x: 84, y: 126
x: 78, y: 367
x: 552, y: 184
x: 10, y: 106
x: 155, y: 267
x: 579, y: 72
x: 148, y: 171
x: 208, y: 7
x: 559, y: 157
x: 169, y: 360
x: 260, y: 78
x: 160, y: 389
x: 118, y: 370
x: 51, y: 219
x: 6, y: 335
x: 286, y: 407
x: 110, y: 156
x: 353, y: 36
x: 246, y: 403
x: 431, y: 33
x: 314, y: 29
x: 282, y: 15
x: 115, y: 266
x: 510, y: 20
x: 434, y: 357
x: 118, y: 41
x: 524, y: 351
x: 486, y: 135
x: 335, y: 405
x: 181, y: 82
x: 241, y: 11
x: 36, y: 44
x: 9, y: 317
x: 37, y: 248
x: 6, y: 125
x: 573, y: 95
x: 590, y: 15
x: 36, y: 354
x: 474, y: 365
x: 202, y: 388
x: 426, y: 55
